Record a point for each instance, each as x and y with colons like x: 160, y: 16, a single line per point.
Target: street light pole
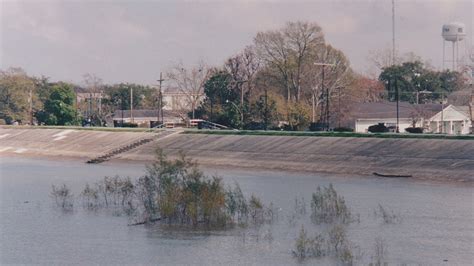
x: 240, y: 112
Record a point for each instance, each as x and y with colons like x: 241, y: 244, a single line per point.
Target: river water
x: 436, y: 228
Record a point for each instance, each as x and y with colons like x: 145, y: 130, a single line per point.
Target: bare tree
x: 190, y: 83
x: 93, y: 83
x: 243, y: 68
x: 288, y: 51
x: 94, y: 86
x: 327, y: 80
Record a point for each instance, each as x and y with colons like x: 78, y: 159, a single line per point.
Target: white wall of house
x: 147, y: 120
x: 176, y: 101
x: 452, y: 120
x: 362, y: 125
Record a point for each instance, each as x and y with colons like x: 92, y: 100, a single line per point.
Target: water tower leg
x: 454, y: 58
x: 444, y: 48
x: 457, y: 54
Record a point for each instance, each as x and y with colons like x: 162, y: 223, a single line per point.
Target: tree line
x: 29, y: 100
x: 287, y: 77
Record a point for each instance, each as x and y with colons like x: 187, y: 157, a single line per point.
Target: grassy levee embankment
x: 423, y: 156
x: 329, y: 134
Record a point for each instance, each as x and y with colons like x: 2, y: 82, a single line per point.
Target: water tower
x: 453, y: 32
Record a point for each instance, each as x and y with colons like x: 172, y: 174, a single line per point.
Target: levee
x: 436, y: 159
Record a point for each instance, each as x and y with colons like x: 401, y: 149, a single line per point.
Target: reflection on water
x: 437, y: 220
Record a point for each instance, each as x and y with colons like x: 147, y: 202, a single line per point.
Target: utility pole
x: 30, y: 101
x: 339, y: 108
x: 442, y: 112
x: 131, y: 105
x: 160, y: 98
x: 313, y: 117
x: 393, y: 63
x: 100, y: 103
x: 121, y: 110
x: 242, y: 104
x: 398, y: 113
x: 327, y: 104
x: 266, y: 108
x: 326, y: 113
x: 89, y: 115
x: 393, y: 32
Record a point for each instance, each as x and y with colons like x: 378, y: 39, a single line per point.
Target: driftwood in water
x: 392, y: 176
x: 145, y: 222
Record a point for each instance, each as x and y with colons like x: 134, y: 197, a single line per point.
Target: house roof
x: 452, y: 112
x: 382, y: 110
x: 142, y: 113
x: 463, y: 109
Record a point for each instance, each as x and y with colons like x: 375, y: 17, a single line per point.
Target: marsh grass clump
x: 309, y: 247
x: 388, y: 216
x: 90, y: 197
x: 173, y: 192
x: 177, y: 192
x: 339, y: 245
x: 328, y: 207
x: 236, y: 204
x: 332, y: 243
x: 380, y: 253
x: 62, y: 196
x: 115, y: 191
x: 332, y: 216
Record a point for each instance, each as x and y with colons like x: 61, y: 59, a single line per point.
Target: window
x: 446, y: 29
x: 460, y: 30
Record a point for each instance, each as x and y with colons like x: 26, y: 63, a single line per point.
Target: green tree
x: 17, y: 95
x: 412, y: 77
x: 118, y: 96
x: 221, y: 104
x: 59, y: 107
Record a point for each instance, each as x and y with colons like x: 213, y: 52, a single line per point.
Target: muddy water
x: 437, y: 220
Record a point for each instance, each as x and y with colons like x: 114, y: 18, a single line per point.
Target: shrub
x: 318, y: 126
x: 380, y: 252
x: 379, y: 128
x: 306, y: 247
x: 388, y: 216
x: 129, y: 124
x: 338, y: 244
x: 236, y: 204
x: 328, y: 207
x: 179, y: 193
x: 417, y: 130
x: 62, y: 196
x: 174, y: 192
x: 90, y: 197
x: 343, y: 129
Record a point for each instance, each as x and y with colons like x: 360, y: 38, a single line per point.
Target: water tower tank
x: 454, y: 31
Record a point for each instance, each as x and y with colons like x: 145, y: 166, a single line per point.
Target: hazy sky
x: 132, y: 41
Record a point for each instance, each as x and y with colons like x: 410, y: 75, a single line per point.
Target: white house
x: 368, y: 114
x: 147, y: 118
x: 452, y: 120
x: 175, y: 100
